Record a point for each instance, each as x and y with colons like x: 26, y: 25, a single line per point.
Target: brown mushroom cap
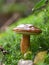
x: 27, y: 29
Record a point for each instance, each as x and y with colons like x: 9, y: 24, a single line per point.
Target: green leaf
x: 40, y: 4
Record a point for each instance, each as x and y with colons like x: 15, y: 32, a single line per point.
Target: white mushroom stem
x: 25, y: 43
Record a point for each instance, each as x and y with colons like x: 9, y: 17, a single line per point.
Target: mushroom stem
x: 25, y: 43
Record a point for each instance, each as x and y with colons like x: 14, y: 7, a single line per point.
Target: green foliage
x: 41, y: 63
x: 40, y: 4
x: 47, y: 59
x: 1, y: 2
x: 12, y: 46
x: 28, y: 55
x: 10, y: 8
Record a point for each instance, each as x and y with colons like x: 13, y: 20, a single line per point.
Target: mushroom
x: 26, y: 30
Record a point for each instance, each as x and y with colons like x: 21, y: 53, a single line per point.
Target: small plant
x: 28, y: 56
